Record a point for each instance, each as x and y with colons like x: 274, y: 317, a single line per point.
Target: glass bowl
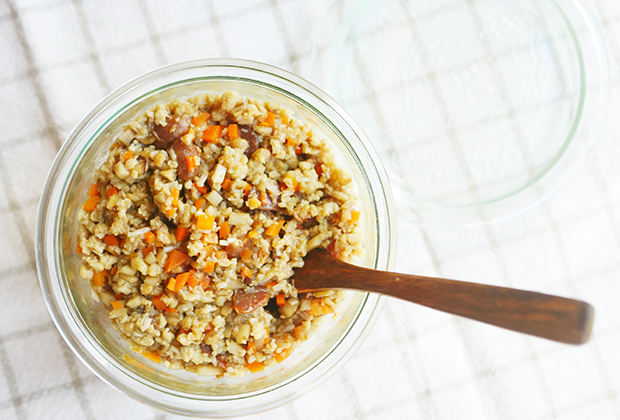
x: 84, y: 324
x: 479, y: 109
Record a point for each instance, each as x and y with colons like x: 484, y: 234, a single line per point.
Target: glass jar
x: 85, y: 325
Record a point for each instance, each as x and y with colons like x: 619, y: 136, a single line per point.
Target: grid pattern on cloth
x: 60, y: 57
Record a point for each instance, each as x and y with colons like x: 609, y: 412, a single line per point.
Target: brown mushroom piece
x: 183, y: 151
x: 175, y: 128
x: 246, y: 132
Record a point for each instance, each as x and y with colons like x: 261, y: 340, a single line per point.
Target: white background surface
x: 59, y: 58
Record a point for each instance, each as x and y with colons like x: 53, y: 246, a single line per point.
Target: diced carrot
x: 159, y: 304
x: 152, y: 356
x: 127, y: 155
x: 170, y: 212
x: 318, y: 168
x: 283, y: 355
x: 181, y: 233
x: 146, y: 251
x: 171, y: 284
x: 212, y: 133
x: 210, y: 238
x: 200, y: 118
x: 111, y: 240
x: 271, y: 283
x: 209, y: 267
x: 208, y: 250
x: 175, y: 197
x: 91, y: 204
x: 99, y: 278
x: 113, y: 270
x: 274, y: 229
x: 111, y: 191
x: 79, y: 249
x: 205, y: 221
x: 220, y: 255
x: 168, y: 310
x: 226, y: 183
x: 327, y: 309
x: 93, y: 190
x: 224, y: 230
x: 246, y: 272
x: 175, y: 259
x: 293, y: 181
x: 250, y: 348
x: 298, y: 150
x: 199, y: 203
x: 117, y: 304
x: 202, y: 190
x: 299, y: 332
x: 233, y: 131
x: 285, y: 119
x: 270, y: 120
x: 192, y: 280
x: 281, y: 299
x: 252, y: 234
x: 355, y: 215
x: 246, y: 255
x: 316, y: 308
x: 180, y: 281
x: 255, y: 366
x: 190, y: 161
x: 149, y: 237
x: 204, y: 283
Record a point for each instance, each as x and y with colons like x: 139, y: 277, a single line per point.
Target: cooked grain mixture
x: 195, y: 223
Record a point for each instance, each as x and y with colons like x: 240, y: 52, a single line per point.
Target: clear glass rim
x: 59, y: 303
x: 547, y: 179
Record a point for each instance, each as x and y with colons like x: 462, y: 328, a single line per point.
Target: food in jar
x: 195, y: 222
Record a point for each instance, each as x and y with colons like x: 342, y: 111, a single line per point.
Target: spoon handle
x: 552, y: 317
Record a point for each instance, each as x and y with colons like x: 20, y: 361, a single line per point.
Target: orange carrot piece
x: 202, y: 190
x: 79, y: 249
x: 205, y: 221
x: 149, y: 237
x: 250, y: 348
x: 151, y: 355
x: 192, y: 280
x: 281, y: 299
x: 355, y: 215
x: 190, y: 161
x: 274, y: 229
x: 318, y: 168
x: 210, y: 238
x: 111, y: 240
x: 246, y: 272
x: 200, y: 118
x: 226, y: 183
x: 181, y: 233
x: 271, y: 283
x: 91, y: 204
x: 199, y: 203
x: 116, y: 304
x: 255, y: 366
x: 127, y: 155
x: 159, y: 304
x: 175, y: 259
x: 270, y: 120
x: 316, y: 308
x: 171, y: 284
x: 224, y: 230
x: 93, y: 190
x: 99, y: 278
x: 246, y: 255
x: 252, y: 234
x: 146, y: 251
x: 212, y: 133
x: 209, y: 267
x: 180, y: 281
x: 233, y: 131
x: 113, y: 270
x: 220, y: 255
x: 283, y: 355
x: 299, y: 332
x: 208, y: 249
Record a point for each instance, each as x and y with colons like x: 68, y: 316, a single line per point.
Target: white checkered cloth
x: 58, y: 58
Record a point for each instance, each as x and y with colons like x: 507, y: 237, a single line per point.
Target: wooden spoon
x: 552, y: 317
